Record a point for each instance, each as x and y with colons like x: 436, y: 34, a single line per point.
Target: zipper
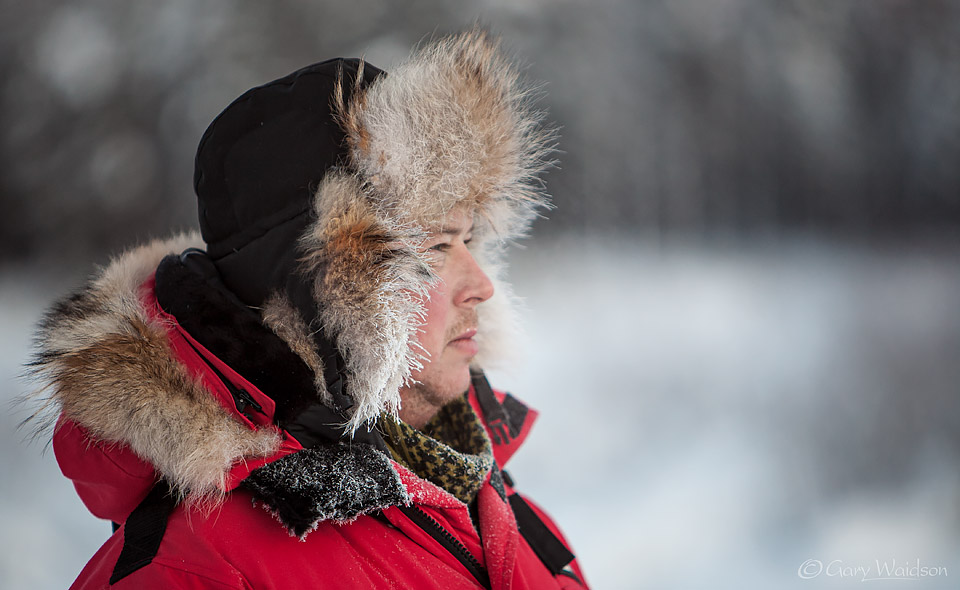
x: 241, y: 398
x: 448, y: 541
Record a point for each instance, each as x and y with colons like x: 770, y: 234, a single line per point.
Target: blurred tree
x: 731, y: 116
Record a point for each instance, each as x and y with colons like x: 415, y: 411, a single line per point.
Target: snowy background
x: 713, y: 418
x: 743, y: 325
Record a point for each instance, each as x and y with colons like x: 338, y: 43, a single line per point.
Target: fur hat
x: 316, y: 191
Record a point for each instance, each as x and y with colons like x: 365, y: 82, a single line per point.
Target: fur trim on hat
x: 368, y: 278
x: 452, y: 127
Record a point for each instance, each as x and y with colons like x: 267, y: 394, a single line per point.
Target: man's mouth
x: 465, y: 342
x: 467, y: 334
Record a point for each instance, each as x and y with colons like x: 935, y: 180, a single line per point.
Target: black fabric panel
x: 143, y: 531
x: 551, y: 550
x: 328, y: 482
x: 189, y: 289
x: 263, y: 265
x: 318, y: 425
x: 299, y: 291
x: 488, y: 400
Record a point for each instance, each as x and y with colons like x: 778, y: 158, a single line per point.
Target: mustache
x: 468, y: 320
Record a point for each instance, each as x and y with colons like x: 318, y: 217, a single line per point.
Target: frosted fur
x: 497, y: 340
x: 368, y: 278
x: 105, y: 364
x: 451, y: 126
x: 287, y: 323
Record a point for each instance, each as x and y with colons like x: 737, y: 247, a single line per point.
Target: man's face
x: 447, y: 335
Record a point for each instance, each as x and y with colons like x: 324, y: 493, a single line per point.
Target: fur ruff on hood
x: 107, y: 365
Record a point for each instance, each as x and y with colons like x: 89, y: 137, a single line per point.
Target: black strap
x: 505, y: 420
x: 144, y: 530
x: 551, y: 550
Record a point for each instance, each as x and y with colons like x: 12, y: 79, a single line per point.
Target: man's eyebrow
x: 453, y: 231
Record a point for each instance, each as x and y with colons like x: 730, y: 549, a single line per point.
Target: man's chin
x: 443, y: 392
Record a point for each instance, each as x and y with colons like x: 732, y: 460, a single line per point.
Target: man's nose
x: 477, y: 286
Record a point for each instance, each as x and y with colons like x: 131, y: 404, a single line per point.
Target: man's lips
x: 465, y: 342
x: 466, y: 335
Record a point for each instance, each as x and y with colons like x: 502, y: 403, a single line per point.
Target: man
x: 300, y: 404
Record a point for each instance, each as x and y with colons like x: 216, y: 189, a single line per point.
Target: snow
x: 710, y: 416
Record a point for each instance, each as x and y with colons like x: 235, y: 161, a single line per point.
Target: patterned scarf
x: 453, y: 451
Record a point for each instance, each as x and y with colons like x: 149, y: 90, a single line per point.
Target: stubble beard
x: 429, y: 393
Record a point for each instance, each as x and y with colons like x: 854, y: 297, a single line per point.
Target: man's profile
x: 295, y: 398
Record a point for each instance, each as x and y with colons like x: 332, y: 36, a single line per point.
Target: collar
x: 453, y: 450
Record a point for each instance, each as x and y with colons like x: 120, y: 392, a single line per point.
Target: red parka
x: 342, y: 515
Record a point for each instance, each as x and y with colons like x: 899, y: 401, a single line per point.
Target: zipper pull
x: 244, y: 400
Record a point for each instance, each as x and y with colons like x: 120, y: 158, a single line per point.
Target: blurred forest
x: 726, y: 117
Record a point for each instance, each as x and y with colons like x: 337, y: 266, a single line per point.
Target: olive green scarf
x: 453, y: 450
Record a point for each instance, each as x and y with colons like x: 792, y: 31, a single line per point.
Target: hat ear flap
x: 368, y: 281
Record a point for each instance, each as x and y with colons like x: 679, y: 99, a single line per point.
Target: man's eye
x: 441, y: 247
